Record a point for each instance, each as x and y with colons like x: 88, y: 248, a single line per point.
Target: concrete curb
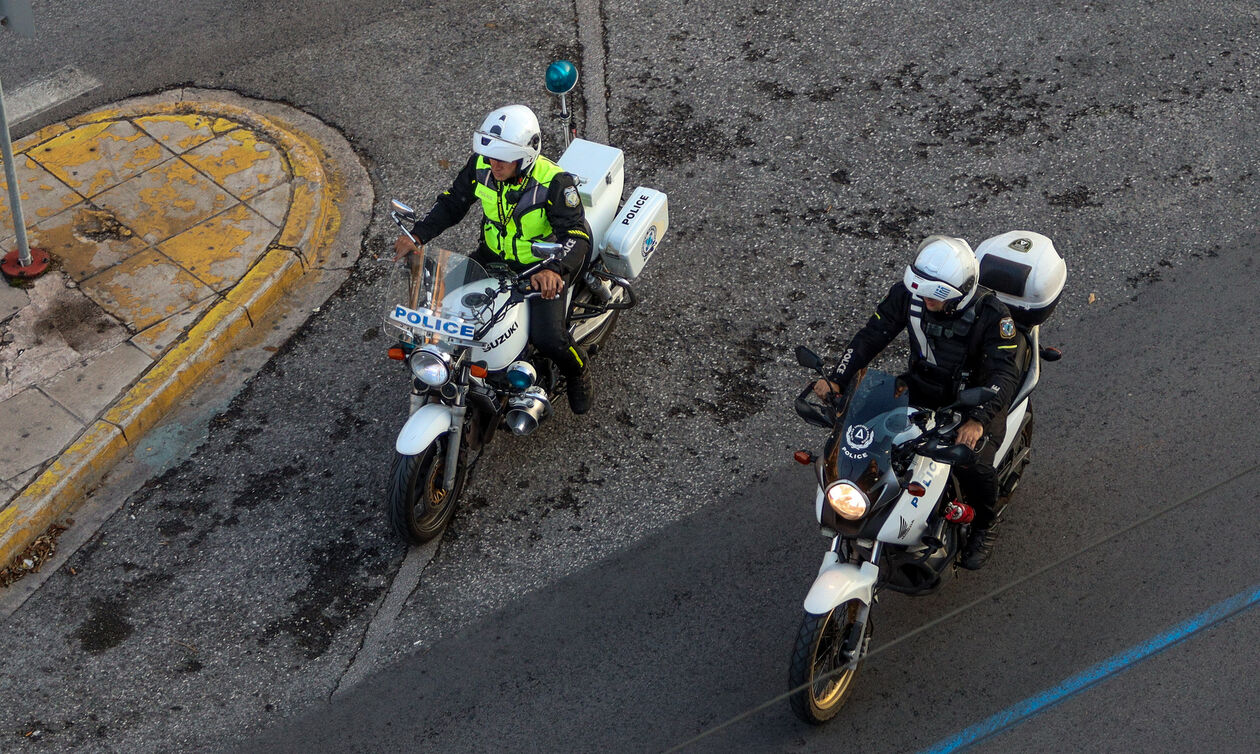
x: 311, y: 224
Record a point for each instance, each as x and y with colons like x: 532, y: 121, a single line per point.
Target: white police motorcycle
x: 463, y: 329
x: 886, y: 496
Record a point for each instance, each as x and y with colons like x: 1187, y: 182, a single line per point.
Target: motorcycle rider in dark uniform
x: 524, y: 197
x: 961, y: 336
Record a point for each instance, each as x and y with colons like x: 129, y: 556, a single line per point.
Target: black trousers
x: 978, y: 480
x: 549, y: 335
x: 546, y: 321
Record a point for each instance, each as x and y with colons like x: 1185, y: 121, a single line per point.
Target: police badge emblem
x: 1007, y: 327
x: 571, y: 197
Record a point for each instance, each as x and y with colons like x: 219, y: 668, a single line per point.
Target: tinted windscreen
x: 873, y: 419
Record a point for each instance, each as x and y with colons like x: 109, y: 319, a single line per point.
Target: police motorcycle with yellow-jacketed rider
x: 463, y: 330
x: 887, y: 497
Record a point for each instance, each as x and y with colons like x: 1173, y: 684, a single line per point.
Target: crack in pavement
x: 405, y: 583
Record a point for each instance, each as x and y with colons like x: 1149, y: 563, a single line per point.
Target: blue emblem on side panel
x: 649, y: 242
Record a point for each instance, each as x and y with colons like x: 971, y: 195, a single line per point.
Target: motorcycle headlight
x: 847, y: 501
x: 430, y: 366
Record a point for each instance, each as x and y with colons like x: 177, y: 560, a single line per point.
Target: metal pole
x: 15, y: 193
x: 564, y: 120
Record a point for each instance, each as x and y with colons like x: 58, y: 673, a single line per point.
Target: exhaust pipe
x: 527, y: 410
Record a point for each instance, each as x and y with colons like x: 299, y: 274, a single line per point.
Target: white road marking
x: 47, y: 92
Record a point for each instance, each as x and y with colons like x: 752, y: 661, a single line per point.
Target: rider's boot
x: 580, y: 392
x: 979, y: 547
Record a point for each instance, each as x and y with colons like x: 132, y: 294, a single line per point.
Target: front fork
x: 459, y: 408
x: 853, y: 643
x: 453, y: 440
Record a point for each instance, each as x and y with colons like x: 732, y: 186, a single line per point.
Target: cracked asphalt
x: 805, y: 148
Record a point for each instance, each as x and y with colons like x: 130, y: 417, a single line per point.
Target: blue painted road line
x: 1021, y: 711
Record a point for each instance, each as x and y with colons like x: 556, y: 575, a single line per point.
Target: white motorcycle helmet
x: 510, y: 134
x: 944, y: 269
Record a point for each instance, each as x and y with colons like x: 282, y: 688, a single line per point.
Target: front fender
x: 422, y: 428
x: 838, y: 583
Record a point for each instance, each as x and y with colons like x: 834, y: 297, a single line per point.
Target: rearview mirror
x: 401, y: 208
x: 808, y: 359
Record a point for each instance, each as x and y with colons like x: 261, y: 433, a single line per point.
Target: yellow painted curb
x: 310, y: 225
x: 57, y: 491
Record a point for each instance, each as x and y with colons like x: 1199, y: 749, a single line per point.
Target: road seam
x: 590, y: 23
x: 404, y: 584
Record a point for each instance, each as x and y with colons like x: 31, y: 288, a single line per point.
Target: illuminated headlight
x: 847, y: 501
x: 521, y: 374
x: 430, y: 366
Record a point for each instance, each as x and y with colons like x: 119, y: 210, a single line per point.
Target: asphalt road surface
x: 693, y: 625
x: 632, y: 579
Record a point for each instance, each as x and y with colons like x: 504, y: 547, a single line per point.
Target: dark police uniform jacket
x: 546, y: 206
x: 973, y: 347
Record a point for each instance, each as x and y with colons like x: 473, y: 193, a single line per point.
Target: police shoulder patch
x: 1007, y: 327
x: 571, y: 198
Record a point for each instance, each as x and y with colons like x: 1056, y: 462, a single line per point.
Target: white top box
x: 1025, y: 271
x: 598, y: 167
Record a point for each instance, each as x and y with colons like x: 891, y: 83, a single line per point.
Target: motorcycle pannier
x: 1025, y: 271
x: 635, y: 232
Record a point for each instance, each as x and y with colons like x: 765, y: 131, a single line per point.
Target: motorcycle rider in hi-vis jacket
x: 524, y: 197
x: 961, y: 336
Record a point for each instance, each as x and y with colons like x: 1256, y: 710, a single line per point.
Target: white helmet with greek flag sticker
x: 509, y: 134
x: 944, y: 269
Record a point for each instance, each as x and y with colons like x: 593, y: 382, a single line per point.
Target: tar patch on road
x: 108, y: 625
x: 325, y: 605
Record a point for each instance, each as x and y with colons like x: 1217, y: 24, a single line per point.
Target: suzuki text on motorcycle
x: 462, y: 329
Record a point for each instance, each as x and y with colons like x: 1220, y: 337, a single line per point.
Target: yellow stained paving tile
x: 39, y: 137
x: 145, y: 289
x: 86, y: 240
x: 42, y: 195
x: 241, y: 162
x: 157, y: 338
x: 220, y: 250
x: 273, y: 204
x: 180, y: 133
x: 97, y: 156
x: 165, y: 201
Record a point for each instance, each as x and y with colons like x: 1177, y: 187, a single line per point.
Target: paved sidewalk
x: 173, y: 222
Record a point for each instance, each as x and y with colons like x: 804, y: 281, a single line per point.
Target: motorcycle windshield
x: 874, y: 417
x: 443, y: 296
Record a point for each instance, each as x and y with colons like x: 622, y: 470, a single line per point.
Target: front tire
x: 819, y: 685
x: 417, y: 506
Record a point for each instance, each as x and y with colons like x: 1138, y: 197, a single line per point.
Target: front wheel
x: 417, y: 506
x: 820, y: 677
